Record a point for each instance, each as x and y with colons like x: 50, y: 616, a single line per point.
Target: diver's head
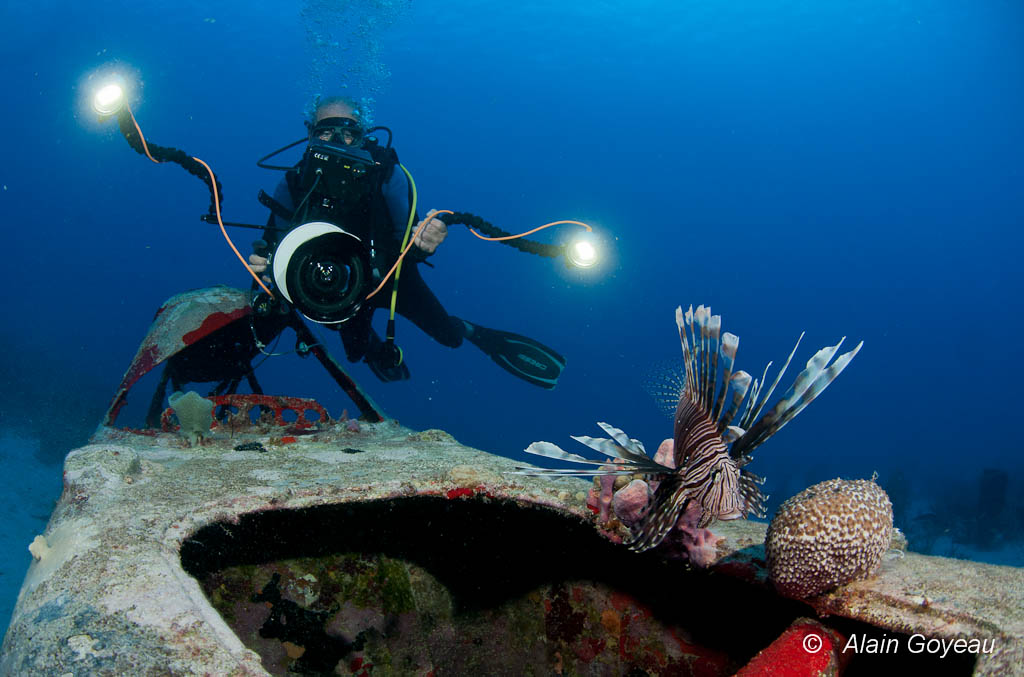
x: 337, y: 119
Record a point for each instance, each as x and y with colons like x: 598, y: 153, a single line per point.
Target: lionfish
x: 709, y: 452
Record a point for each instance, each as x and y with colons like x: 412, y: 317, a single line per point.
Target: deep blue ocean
x: 844, y: 168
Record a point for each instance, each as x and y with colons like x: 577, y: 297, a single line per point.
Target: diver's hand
x: 259, y: 264
x: 432, y: 235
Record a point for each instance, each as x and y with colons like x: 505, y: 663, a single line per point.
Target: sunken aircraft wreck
x: 257, y: 535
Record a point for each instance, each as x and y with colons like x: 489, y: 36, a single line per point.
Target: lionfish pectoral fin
x: 623, y: 459
x: 750, y: 490
x: 624, y: 440
x: 620, y: 446
x: 669, y: 501
x: 549, y: 450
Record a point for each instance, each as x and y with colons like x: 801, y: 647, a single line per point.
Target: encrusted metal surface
x: 108, y: 593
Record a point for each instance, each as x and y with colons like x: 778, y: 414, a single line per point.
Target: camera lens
x: 329, y: 277
x: 325, y: 277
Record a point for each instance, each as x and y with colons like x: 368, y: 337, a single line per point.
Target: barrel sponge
x: 194, y: 412
x: 827, y: 535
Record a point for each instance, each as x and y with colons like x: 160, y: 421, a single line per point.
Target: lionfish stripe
x: 810, y: 383
x: 730, y: 342
x: 782, y: 371
x: 698, y: 446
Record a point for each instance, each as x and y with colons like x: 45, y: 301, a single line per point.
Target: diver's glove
x: 259, y: 265
x: 432, y: 235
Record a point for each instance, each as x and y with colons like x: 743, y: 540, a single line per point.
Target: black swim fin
x: 383, y: 367
x: 389, y: 374
x: 520, y: 356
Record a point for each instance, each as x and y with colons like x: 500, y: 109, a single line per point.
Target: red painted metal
x: 188, y: 318
x: 276, y: 404
x: 806, y: 649
x: 212, y: 323
x: 180, y: 322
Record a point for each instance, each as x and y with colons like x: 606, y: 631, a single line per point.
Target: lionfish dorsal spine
x: 700, y: 334
x: 714, y: 332
x: 748, y: 409
x: 760, y: 405
x: 682, y: 321
x: 700, y: 354
x: 701, y: 318
x: 810, y: 383
x: 730, y: 343
x: 691, y: 352
x: 732, y: 433
x: 740, y: 383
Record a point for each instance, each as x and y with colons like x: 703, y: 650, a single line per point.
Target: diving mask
x: 341, y: 131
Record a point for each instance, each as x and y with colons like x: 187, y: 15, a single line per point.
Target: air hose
x: 472, y: 221
x: 127, y: 124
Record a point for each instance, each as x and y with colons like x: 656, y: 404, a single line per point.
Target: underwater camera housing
x: 337, y: 177
x: 322, y: 270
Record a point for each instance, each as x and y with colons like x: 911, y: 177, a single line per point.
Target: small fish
x: 709, y: 452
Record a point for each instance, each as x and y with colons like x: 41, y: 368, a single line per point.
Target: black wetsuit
x: 416, y: 302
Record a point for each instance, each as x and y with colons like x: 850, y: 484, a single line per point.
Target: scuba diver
x: 373, y: 207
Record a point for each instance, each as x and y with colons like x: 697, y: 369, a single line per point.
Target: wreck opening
x: 475, y: 585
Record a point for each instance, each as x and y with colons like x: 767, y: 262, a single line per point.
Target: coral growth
x: 832, y: 533
x: 194, y: 412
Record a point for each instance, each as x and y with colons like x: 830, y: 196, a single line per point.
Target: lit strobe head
x: 109, y: 99
x: 581, y: 252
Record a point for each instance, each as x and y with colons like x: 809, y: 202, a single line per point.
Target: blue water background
x: 844, y: 168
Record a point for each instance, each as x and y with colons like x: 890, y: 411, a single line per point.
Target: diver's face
x: 337, y: 111
x: 345, y: 136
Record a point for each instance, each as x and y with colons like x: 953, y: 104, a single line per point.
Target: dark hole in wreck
x: 426, y: 584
